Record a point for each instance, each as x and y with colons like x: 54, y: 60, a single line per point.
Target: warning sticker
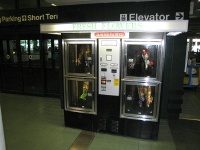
x: 116, y: 82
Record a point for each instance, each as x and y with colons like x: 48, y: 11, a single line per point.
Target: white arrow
x: 179, y: 15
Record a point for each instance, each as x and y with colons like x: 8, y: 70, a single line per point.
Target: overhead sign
x: 28, y: 18
x: 138, y: 17
x: 150, y: 17
x: 131, y: 26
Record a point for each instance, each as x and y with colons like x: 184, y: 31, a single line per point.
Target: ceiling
x: 75, y: 2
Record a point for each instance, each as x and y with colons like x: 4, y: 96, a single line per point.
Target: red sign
x: 109, y: 34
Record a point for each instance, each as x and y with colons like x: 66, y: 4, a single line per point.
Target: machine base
x: 113, y: 125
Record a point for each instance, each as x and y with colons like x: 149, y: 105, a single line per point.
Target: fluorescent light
x: 53, y: 4
x: 173, y: 33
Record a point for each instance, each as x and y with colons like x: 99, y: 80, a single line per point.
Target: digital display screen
x: 108, y: 50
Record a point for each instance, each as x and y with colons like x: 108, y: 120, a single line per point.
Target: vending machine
x: 113, y: 85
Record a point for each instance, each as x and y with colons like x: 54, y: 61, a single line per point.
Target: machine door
x: 140, y: 100
x: 80, y: 95
x: 141, y: 79
x: 142, y: 60
x: 79, y: 58
x: 79, y: 70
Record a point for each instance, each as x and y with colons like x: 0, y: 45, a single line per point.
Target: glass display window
x: 80, y: 58
x: 140, y: 100
x: 80, y: 94
x: 142, y: 60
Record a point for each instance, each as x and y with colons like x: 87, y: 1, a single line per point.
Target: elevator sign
x: 137, y: 17
x: 151, y: 17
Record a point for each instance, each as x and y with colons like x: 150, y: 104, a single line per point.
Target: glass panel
x: 34, y: 52
x: 80, y: 94
x: 51, y: 55
x: 24, y: 51
x: 48, y: 57
x: 13, y: 51
x: 5, y: 51
x: 80, y: 58
x: 55, y: 54
x: 9, y: 51
x: 7, y: 4
x: 142, y: 60
x: 27, y: 4
x: 140, y: 99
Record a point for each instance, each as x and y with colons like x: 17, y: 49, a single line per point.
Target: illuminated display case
x: 80, y: 58
x: 141, y: 79
x: 80, y: 76
x: 80, y: 94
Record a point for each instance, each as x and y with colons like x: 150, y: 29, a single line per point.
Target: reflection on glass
x: 13, y: 51
x: 51, y: 54
x: 30, y: 52
x: 80, y: 58
x: 24, y: 50
x: 80, y: 94
x: 55, y: 54
x: 9, y: 51
x: 34, y: 52
x: 141, y: 60
x: 5, y: 50
x: 140, y: 99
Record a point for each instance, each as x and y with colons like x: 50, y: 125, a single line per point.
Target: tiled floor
x: 191, y: 104
x: 37, y: 123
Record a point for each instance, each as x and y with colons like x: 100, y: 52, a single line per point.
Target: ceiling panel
x: 75, y: 2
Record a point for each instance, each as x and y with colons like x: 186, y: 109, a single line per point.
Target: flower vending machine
x: 142, y: 63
